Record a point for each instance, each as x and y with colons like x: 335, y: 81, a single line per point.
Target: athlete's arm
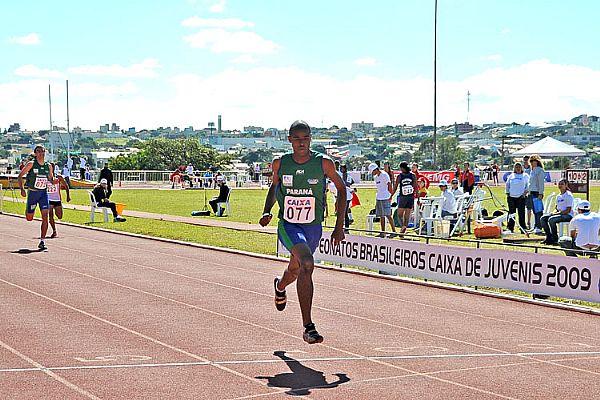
x: 396, y: 183
x: 270, y: 200
x: 340, y: 203
x: 63, y: 183
x: 24, y: 172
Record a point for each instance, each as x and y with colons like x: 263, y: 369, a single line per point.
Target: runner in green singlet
x: 299, y: 189
x: 38, y: 173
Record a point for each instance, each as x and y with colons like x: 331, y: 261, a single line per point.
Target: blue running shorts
x: 35, y: 197
x: 292, y: 234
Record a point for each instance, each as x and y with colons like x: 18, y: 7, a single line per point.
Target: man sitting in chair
x: 583, y: 230
x: 100, y: 193
x: 221, y: 198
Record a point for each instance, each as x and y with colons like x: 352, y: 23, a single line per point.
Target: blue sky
x: 182, y: 62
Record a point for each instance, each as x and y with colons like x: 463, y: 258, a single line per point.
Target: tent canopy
x: 548, y: 147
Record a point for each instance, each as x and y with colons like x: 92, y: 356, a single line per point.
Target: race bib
x: 299, y: 210
x: 407, y: 190
x: 52, y: 188
x: 40, y: 182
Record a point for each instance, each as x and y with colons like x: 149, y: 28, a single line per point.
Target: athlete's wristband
x: 267, y: 214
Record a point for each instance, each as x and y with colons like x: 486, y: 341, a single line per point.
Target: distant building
x: 131, y: 130
x: 362, y: 126
x: 254, y: 130
x: 595, y: 126
x: 16, y: 127
x: 114, y: 127
x: 219, y: 124
x: 104, y: 128
x: 462, y: 128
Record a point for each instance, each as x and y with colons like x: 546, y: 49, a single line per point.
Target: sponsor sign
x: 437, y: 176
x: 579, y: 181
x: 555, y: 275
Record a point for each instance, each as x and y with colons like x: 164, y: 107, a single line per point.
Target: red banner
x: 436, y: 176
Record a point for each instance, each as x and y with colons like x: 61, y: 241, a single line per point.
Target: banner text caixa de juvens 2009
x: 556, y: 275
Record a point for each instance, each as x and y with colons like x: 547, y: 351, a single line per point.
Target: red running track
x: 102, y: 315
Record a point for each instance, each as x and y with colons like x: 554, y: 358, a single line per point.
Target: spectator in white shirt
x: 517, y: 188
x: 383, y: 206
x: 584, y: 230
x: 67, y: 174
x: 563, y: 213
x: 82, y: 164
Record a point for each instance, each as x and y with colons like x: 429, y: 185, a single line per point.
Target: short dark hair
x: 404, y: 166
x: 299, y: 125
x: 39, y: 146
x: 565, y: 181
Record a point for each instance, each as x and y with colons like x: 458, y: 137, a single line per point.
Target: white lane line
x: 349, y: 290
x: 131, y: 331
x: 51, y: 374
x: 310, y: 360
x: 379, y: 362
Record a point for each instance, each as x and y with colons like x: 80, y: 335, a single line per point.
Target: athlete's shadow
x: 302, y: 379
x: 27, y: 251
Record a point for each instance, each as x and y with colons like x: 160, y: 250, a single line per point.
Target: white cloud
x: 27, y: 40
x: 366, y: 62
x: 505, y: 31
x: 224, y: 23
x: 146, y: 69
x: 493, y: 57
x: 32, y: 71
x: 222, y: 41
x: 533, y: 92
x: 218, y: 7
x: 245, y: 59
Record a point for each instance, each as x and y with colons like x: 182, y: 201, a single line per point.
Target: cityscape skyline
x: 183, y: 63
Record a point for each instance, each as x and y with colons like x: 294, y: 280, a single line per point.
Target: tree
x: 259, y: 155
x: 448, y: 152
x: 168, y: 154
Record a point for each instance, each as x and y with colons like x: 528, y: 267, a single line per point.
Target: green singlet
x: 301, y: 190
x: 38, y: 176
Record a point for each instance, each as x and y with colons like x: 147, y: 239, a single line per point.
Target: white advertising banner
x: 555, y: 275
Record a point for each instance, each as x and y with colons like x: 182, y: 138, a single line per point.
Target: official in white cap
x: 449, y: 201
x: 583, y: 230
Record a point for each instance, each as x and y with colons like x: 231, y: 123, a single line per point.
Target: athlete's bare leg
x: 300, y: 269
x: 51, y: 220
x: 44, y: 228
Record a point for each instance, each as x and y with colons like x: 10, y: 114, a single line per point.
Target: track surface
x: 102, y: 315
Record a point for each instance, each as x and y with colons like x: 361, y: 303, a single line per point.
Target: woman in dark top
x: 407, y: 182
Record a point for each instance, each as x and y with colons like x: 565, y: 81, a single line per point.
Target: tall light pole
x: 435, y: 84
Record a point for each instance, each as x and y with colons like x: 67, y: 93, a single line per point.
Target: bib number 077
x: 299, y: 210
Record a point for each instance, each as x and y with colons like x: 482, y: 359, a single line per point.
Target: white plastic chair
x: 94, y: 207
x: 477, y: 202
x: 224, y: 205
x: 550, y: 203
x: 462, y: 212
x: 431, y: 210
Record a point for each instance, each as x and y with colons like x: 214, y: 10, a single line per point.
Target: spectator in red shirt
x: 415, y: 170
x: 467, y: 179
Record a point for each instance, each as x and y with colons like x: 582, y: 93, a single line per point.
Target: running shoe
x: 280, y: 297
x: 311, y: 336
x: 42, y: 245
x: 120, y: 219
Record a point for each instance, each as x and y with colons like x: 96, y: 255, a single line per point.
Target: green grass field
x: 257, y: 242
x: 247, y: 204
